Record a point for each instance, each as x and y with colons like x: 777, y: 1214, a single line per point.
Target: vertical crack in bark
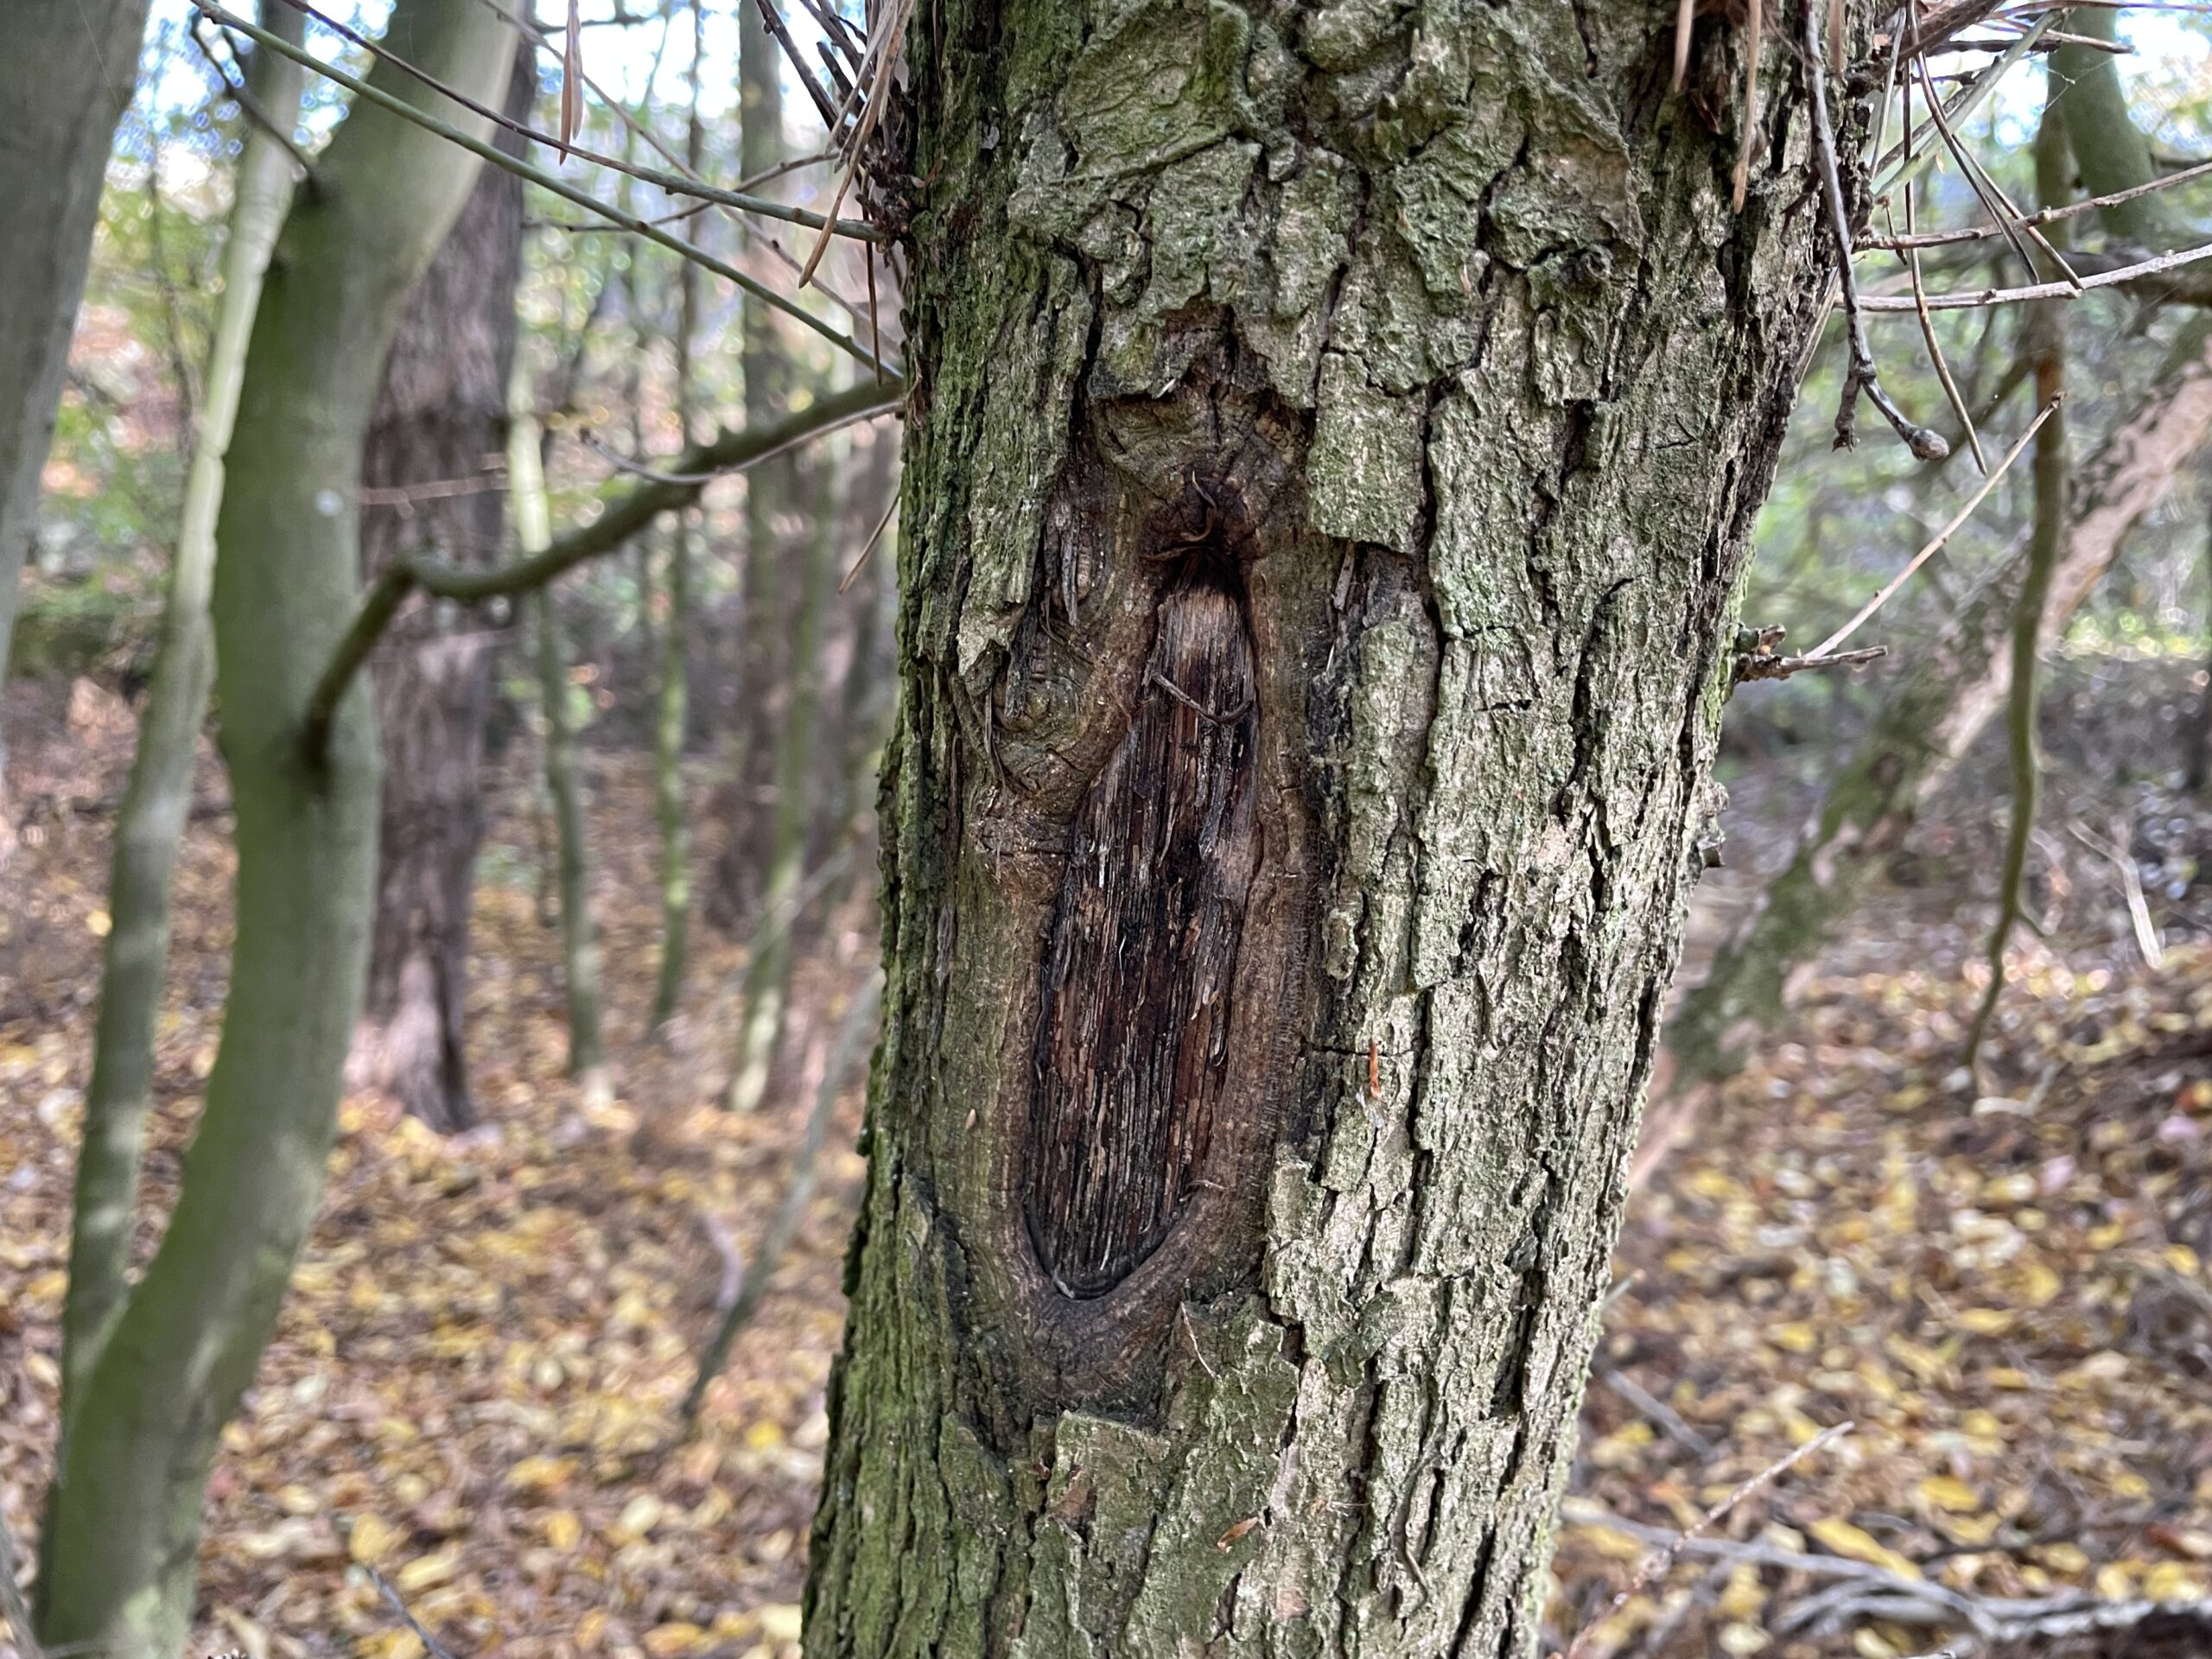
x: 1133, y: 1037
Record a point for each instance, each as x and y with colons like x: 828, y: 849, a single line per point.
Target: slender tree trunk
x: 675, y: 664
x: 2200, y: 748
x: 2044, y: 340
x: 1335, y: 441
x: 151, y: 823
x: 768, y: 974
x: 434, y: 446
x: 66, y: 68
x: 564, y: 781
x: 765, y: 619
x: 123, y: 1514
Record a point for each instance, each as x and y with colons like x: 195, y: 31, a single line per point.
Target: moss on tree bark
x: 1427, y: 338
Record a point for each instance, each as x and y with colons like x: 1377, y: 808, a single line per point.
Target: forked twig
x: 1656, y: 1563
x: 1965, y: 300
x: 1827, y: 647
x: 1860, y: 376
x: 1936, y: 347
x: 438, y: 1649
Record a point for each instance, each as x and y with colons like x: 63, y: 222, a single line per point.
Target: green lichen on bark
x: 1433, y: 318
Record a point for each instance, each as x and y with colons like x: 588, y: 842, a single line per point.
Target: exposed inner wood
x: 1133, y: 1037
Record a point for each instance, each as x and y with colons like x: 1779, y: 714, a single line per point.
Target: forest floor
x: 474, y: 1385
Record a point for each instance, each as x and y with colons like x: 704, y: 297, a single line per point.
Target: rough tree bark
x: 151, y: 823
x: 1335, y: 439
x: 122, y: 1516
x: 436, y: 447
x: 66, y: 68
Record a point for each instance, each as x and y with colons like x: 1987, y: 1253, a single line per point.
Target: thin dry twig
x: 881, y: 525
x: 1747, y: 146
x: 876, y: 90
x: 1936, y: 347
x: 1676, y: 1426
x: 2045, y: 216
x: 2117, y: 852
x: 438, y: 1649
x: 1658, y: 1563
x: 1827, y: 647
x: 537, y: 176
x: 572, y: 78
x: 1966, y: 299
x: 676, y: 184
x: 1860, y: 376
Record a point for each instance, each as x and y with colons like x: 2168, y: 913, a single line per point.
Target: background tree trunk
x: 435, y: 450
x: 149, y: 824
x: 1319, y: 541
x: 66, y: 68
x: 768, y: 973
x: 765, y: 615
x: 122, y: 1516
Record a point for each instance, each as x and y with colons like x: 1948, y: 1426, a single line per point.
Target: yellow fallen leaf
x: 98, y: 924
x: 1614, y: 1546
x: 541, y: 1474
x: 1745, y: 1595
x: 671, y: 1641
x: 1739, y: 1640
x: 1989, y: 1321
x: 589, y: 1628
x: 426, y: 1572
x: 779, y: 1621
x: 1849, y: 1541
x: 1947, y: 1493
x: 638, y: 1518
x: 371, y: 1539
x: 2173, y: 1581
x: 2115, y: 1581
x: 1971, y: 1531
x: 1797, y: 1338
x: 563, y: 1529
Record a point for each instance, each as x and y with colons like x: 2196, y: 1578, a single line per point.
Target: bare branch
x: 2112, y: 277
x: 675, y: 184
x: 538, y: 176
x: 1827, y: 647
x: 1860, y: 376
x: 623, y: 517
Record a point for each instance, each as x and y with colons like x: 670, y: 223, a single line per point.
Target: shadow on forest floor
x: 483, y: 1350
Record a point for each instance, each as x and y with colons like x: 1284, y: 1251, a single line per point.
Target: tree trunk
x: 579, y: 941
x: 764, y: 656
x: 122, y: 1517
x: 768, y: 973
x: 434, y: 450
x: 66, y: 68
x: 151, y: 823
x: 2198, y: 766
x: 1335, y: 442
x: 672, y: 700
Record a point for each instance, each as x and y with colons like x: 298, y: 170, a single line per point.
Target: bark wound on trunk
x: 1245, y: 1144
x: 1134, y: 1043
